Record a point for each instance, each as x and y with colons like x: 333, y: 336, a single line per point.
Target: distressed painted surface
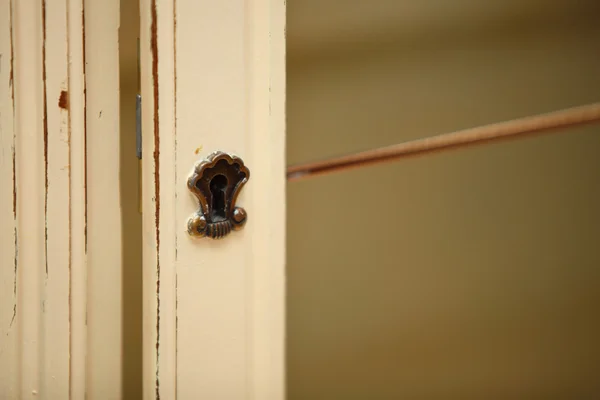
x: 30, y: 177
x: 44, y: 342
x: 76, y: 106
x: 213, y: 79
x: 104, y: 252
x: 8, y: 210
x: 56, y: 310
x: 37, y: 340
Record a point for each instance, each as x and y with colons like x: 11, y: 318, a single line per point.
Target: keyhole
x: 218, y: 186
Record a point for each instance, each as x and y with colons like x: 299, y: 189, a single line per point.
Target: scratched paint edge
x: 55, y: 321
x: 45, y: 122
x: 77, y: 173
x: 154, y: 49
x: 14, y: 163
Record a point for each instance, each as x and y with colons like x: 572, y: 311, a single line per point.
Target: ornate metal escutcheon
x: 216, y: 182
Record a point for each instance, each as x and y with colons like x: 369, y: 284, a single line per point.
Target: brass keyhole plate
x: 216, y: 182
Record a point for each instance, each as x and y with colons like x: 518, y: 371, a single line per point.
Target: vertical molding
x: 37, y: 338
x: 104, y: 251
x: 46, y: 300
x: 57, y: 202
x: 213, y: 78
x: 9, y: 334
x: 30, y: 178
x: 265, y: 41
x: 77, y: 170
x: 157, y: 57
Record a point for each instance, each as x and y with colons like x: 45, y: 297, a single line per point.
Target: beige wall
x: 472, y: 274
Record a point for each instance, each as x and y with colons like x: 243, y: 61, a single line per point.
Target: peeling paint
x: 63, y: 100
x: 154, y: 48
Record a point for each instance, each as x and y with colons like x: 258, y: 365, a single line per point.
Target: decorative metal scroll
x: 216, y: 182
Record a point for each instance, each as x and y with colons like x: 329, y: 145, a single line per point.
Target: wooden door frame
x: 213, y: 78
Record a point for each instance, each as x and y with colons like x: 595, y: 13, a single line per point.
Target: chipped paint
x: 154, y: 48
x: 63, y: 100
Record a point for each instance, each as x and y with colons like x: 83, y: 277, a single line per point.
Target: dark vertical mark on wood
x: 154, y: 48
x: 14, y: 161
x: 14, y: 176
x: 14, y: 315
x: 85, y: 163
x: 63, y: 100
x: 11, y: 77
x: 45, y: 134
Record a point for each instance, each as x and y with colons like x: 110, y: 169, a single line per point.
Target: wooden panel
x: 214, y: 310
x: 31, y: 194
x: 44, y: 346
x: 103, y: 199
x: 8, y: 210
x: 55, y: 305
x: 78, y: 221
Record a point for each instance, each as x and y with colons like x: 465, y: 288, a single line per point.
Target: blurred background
x: 472, y: 274
x: 464, y: 275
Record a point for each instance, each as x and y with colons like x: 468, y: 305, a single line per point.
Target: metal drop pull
x: 216, y: 182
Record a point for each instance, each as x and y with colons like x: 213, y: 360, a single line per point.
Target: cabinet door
x: 60, y: 241
x: 213, y: 79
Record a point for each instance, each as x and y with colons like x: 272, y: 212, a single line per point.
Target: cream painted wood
x: 47, y: 302
x: 55, y: 304
x: 213, y: 78
x: 103, y: 199
x: 9, y: 357
x: 78, y: 193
